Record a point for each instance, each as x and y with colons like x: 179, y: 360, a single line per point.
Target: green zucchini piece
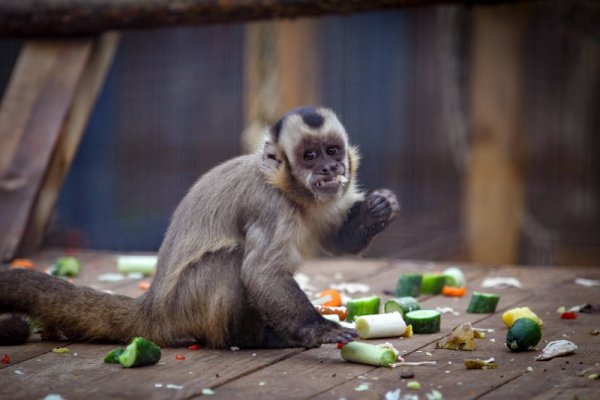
x: 362, y: 306
x: 409, y: 285
x: 145, y: 265
x: 140, y: 352
x: 66, y: 266
x: 483, y: 303
x: 401, y: 305
x: 525, y: 334
x: 454, y: 277
x: 371, y: 354
x: 424, y: 321
x: 432, y: 283
x: 113, y: 355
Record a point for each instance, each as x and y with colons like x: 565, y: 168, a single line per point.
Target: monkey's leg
x: 365, y: 220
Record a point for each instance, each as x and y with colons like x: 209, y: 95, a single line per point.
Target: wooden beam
x: 87, y: 91
x: 494, y: 181
x: 76, y: 17
x: 32, y: 113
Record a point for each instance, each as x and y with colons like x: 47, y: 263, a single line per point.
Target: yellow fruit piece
x: 408, y: 332
x: 510, y: 316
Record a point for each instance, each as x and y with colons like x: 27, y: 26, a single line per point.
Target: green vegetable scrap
x: 525, y: 334
x: 424, y: 321
x: 138, y: 353
x: 60, y: 350
x: 362, y: 306
x: 461, y: 338
x: 476, y: 363
x: 483, y: 303
x: 145, y: 265
x: 454, y: 277
x: 65, y: 267
x: 409, y: 285
x: 401, y: 305
x: 433, y: 283
x: 371, y: 354
x: 414, y: 385
x: 113, y: 355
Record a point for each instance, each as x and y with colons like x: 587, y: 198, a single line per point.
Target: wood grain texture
x: 38, y: 99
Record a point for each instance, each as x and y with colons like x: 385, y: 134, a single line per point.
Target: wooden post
x: 87, y: 91
x: 31, y: 116
x: 494, y: 181
x: 282, y: 61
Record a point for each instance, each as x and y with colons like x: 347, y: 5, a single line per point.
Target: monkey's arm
x: 267, y: 275
x: 365, y: 220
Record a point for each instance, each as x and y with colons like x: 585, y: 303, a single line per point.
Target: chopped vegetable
x: 594, y: 332
x: 5, y: 359
x: 144, y: 265
x: 424, y: 321
x: 60, y: 350
x: 476, y: 363
x: 568, y: 315
x: 335, y: 298
x: 500, y: 282
x: 401, y: 305
x: 194, y: 347
x: 557, y: 348
x: 409, y: 285
x: 434, y: 395
x: 461, y: 338
x: 432, y: 283
x: 113, y: 355
x: 66, y: 266
x: 593, y: 377
x: 140, y: 352
x: 451, y: 291
x: 339, y: 311
x: 143, y: 285
x: 370, y: 354
x: 414, y: 385
x: 454, y: 277
x: 340, y: 345
x: 362, y: 306
x: 483, y: 303
x: 525, y: 334
x: 380, y: 325
x: 180, y: 357
x: 479, y: 334
x: 510, y: 316
x: 332, y: 317
x: 408, y: 332
x: 22, y: 263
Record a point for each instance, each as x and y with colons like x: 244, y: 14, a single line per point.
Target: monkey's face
x: 321, y: 163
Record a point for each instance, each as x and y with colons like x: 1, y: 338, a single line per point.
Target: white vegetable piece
x: 142, y: 264
x: 557, y: 348
x: 332, y: 317
x: 380, y: 325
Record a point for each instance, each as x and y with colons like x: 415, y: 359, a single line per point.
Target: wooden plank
x: 61, y: 63
x: 494, y: 181
x: 75, y: 17
x: 70, y: 136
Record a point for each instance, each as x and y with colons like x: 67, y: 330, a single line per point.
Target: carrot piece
x: 335, y: 298
x: 143, y: 285
x: 22, y: 263
x: 180, y: 357
x: 340, y: 311
x: 5, y: 359
x: 454, y: 291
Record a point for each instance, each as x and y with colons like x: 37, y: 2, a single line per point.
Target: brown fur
x: 225, y: 268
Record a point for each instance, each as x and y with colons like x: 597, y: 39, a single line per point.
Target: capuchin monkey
x: 225, y: 272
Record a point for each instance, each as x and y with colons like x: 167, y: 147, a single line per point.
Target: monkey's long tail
x: 77, y: 312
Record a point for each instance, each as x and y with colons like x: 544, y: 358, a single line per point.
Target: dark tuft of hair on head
x: 310, y: 116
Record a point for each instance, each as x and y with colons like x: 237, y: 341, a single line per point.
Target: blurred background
x: 408, y: 84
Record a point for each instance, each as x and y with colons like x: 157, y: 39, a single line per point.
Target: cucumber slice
x: 113, y: 355
x: 65, y: 266
x: 525, y: 334
x: 401, y: 305
x: 454, y: 277
x: 362, y: 306
x: 424, y: 321
x: 432, y: 283
x: 140, y: 352
x: 483, y: 303
x: 409, y: 285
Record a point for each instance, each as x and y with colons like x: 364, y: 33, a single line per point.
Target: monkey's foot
x: 328, y: 332
x: 382, y: 208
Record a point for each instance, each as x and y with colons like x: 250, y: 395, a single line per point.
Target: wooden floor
x: 35, y: 371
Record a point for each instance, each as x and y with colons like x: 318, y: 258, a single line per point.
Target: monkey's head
x: 308, y: 154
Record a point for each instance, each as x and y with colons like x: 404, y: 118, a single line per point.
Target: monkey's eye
x: 310, y: 155
x: 333, y: 150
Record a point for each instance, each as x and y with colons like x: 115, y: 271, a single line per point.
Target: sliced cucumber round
x: 424, y: 321
x: 401, y: 305
x: 140, y: 352
x: 433, y: 283
x: 409, y: 285
x: 525, y: 334
x: 362, y: 306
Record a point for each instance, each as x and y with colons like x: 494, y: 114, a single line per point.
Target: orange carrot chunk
x: 335, y: 298
x: 454, y: 291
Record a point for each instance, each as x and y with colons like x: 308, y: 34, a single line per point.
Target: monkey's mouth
x: 330, y: 183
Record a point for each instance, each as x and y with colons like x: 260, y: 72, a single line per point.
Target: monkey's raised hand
x: 381, y: 208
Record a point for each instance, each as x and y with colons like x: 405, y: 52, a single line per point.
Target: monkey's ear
x: 270, y: 156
